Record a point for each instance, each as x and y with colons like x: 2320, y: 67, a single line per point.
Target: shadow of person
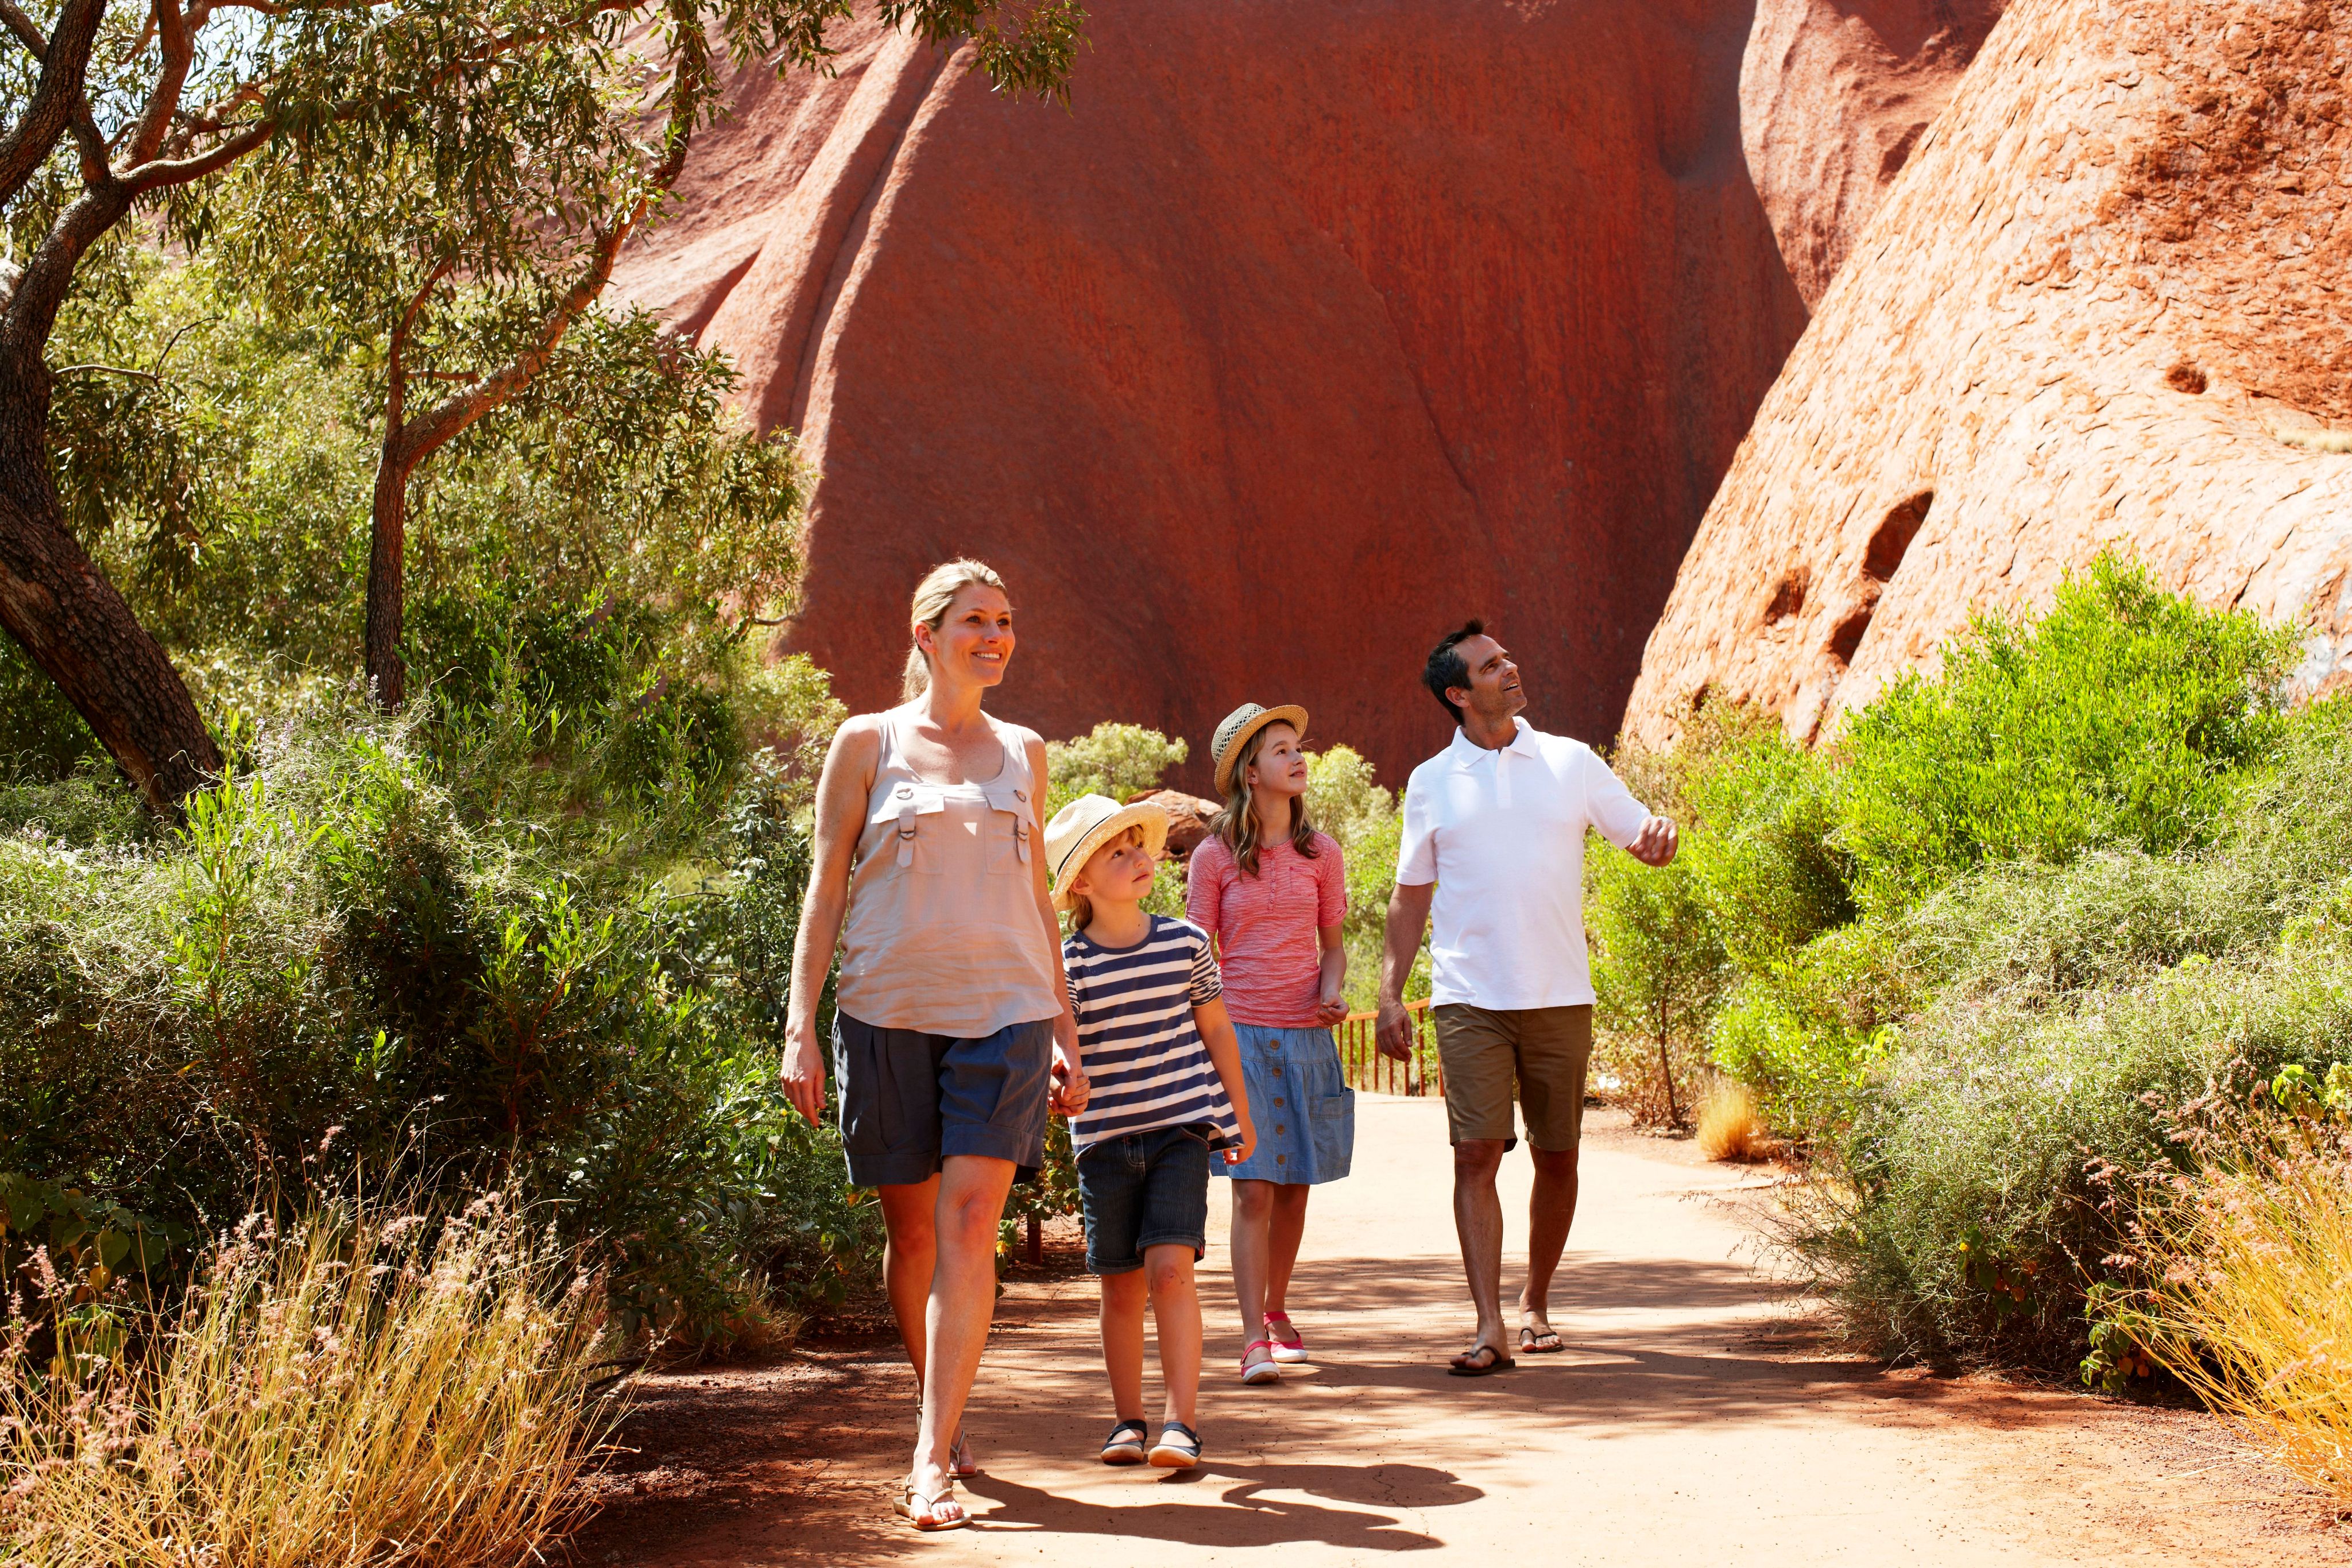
x: 1257, y: 1515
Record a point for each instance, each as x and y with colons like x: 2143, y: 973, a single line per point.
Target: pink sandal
x: 1289, y: 1350
x: 1256, y: 1372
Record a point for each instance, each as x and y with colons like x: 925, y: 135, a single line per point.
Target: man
x: 1494, y: 843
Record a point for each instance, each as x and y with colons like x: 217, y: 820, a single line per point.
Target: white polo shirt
x: 1502, y: 835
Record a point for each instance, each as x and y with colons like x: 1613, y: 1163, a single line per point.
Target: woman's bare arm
x: 1070, y: 1092
x: 841, y: 794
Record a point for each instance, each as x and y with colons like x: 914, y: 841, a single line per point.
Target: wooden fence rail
x: 1365, y: 1068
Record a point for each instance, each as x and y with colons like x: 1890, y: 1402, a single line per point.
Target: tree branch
x: 27, y: 33
x: 110, y: 370
x: 180, y: 170
x: 179, y: 49
x: 65, y: 66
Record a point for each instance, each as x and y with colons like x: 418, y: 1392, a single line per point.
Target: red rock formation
x: 1311, y: 327
x: 2102, y: 307
x: 1834, y: 95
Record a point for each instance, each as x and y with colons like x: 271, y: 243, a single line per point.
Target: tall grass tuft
x: 2249, y: 1296
x: 370, y: 1386
x: 1729, y: 1128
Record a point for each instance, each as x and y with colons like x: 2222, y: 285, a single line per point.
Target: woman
x: 953, y: 1022
x: 1273, y: 893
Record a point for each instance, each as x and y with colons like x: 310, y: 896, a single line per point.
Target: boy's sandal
x: 929, y: 1513
x: 1469, y: 1365
x: 1256, y: 1372
x: 960, y: 1464
x: 1124, y: 1446
x: 1532, y: 1341
x: 1178, y: 1447
x: 1287, y: 1347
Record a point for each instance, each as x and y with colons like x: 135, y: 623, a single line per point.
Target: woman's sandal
x: 960, y: 1464
x: 1256, y: 1372
x: 1178, y: 1447
x: 1531, y: 1341
x: 1124, y: 1446
x: 929, y: 1513
x: 1467, y: 1363
x: 1289, y: 1351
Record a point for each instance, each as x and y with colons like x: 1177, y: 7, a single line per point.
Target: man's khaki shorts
x: 1485, y: 1050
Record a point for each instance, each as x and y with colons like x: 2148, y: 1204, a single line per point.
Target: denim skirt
x: 1305, y: 1112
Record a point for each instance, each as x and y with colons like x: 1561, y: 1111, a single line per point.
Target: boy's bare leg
x: 1176, y: 1311
x: 1123, y: 1298
x: 1286, y: 1225
x: 1551, y: 1210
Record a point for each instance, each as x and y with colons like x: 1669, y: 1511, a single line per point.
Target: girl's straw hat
x: 1239, y: 725
x: 1088, y: 824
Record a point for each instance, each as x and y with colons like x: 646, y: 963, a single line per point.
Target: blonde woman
x: 1273, y: 891
x: 953, y: 1025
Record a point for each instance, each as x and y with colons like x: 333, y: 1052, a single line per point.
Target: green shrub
x: 2119, y: 717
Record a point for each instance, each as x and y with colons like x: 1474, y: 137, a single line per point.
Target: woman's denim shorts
x: 1299, y: 1098
x: 1142, y: 1190
x: 909, y: 1099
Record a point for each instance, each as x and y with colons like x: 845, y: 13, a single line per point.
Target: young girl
x: 1273, y: 893
x: 1165, y: 1091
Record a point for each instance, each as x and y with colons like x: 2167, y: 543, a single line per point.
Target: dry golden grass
x: 1729, y: 1125
x: 2253, y: 1301
x: 340, y: 1396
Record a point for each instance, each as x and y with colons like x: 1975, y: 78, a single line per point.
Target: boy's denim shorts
x: 910, y: 1099
x: 1142, y: 1190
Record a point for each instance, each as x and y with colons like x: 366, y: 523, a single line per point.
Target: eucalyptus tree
x: 481, y: 163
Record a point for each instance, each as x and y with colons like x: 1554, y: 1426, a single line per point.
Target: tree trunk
x: 386, y: 593
x: 75, y: 626
x: 1666, y: 1066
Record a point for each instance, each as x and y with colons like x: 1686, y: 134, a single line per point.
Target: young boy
x: 1167, y: 1091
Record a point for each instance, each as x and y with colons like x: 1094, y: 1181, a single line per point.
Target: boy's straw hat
x: 1239, y: 725
x: 1088, y: 824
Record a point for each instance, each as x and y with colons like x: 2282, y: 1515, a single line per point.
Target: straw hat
x: 1239, y: 725
x: 1088, y: 824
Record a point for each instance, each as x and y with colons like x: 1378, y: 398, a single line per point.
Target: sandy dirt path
x: 1691, y: 1421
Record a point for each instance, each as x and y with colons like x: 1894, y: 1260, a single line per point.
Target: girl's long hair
x: 934, y: 597
x: 1236, y: 823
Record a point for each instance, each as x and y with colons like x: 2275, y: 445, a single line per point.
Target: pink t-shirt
x: 1265, y: 925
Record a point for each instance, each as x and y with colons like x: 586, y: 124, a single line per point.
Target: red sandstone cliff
x: 1311, y: 327
x: 1834, y: 96
x: 2103, y: 305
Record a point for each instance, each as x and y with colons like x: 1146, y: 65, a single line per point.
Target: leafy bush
x: 1120, y: 760
x: 2119, y: 717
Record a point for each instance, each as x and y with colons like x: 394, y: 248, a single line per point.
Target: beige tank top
x: 943, y: 933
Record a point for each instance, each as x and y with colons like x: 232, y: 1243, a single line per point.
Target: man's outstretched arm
x: 1408, y: 918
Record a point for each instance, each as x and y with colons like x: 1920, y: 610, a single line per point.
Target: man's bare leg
x: 1479, y: 1221
x: 1551, y: 1210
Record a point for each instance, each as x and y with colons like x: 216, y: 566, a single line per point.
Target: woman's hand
x: 1070, y: 1086
x: 804, y: 1073
x: 1240, y: 1150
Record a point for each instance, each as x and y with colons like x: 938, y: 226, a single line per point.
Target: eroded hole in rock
x: 1893, y: 539
x: 1788, y: 600
x: 2185, y: 377
x: 1848, y: 635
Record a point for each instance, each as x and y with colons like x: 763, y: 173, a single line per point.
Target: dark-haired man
x: 1494, y: 845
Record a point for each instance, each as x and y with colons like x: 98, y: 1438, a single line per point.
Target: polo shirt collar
x: 1468, y: 753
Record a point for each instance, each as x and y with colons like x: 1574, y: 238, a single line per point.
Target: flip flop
x: 1531, y: 1341
x: 960, y: 1464
x: 1462, y: 1366
x: 940, y: 1512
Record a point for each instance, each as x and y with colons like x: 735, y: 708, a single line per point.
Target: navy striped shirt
x: 1145, y: 1063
